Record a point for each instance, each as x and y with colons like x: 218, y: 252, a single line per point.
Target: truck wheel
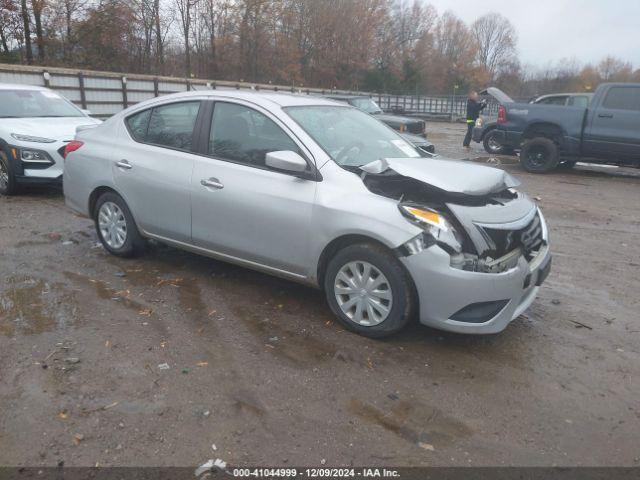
x: 493, y: 146
x: 369, y: 291
x: 539, y: 155
x: 8, y: 184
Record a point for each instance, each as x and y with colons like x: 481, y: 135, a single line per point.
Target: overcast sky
x: 550, y: 30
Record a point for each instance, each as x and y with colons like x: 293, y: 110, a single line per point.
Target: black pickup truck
x: 608, y: 131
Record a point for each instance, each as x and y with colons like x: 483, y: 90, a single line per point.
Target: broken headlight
x: 435, y: 225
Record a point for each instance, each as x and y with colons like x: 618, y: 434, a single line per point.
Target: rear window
x: 623, y: 98
x: 561, y: 100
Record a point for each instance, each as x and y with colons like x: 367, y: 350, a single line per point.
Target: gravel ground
x: 172, y: 359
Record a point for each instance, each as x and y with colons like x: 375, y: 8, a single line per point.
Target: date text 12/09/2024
x: 315, y: 473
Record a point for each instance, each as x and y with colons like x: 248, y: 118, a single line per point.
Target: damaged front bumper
x: 459, y: 300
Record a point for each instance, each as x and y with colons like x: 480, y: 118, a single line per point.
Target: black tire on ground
x: 404, y: 300
x: 567, y: 164
x: 134, y: 243
x: 8, y: 184
x: 492, y: 146
x: 539, y: 155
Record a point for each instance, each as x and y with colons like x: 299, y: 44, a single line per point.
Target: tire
x: 8, y: 184
x: 539, y: 155
x: 394, y: 284
x: 492, y: 146
x: 114, y: 212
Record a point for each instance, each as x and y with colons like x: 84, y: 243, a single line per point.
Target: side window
x: 244, y: 135
x: 623, y: 98
x: 172, y: 125
x: 579, y: 101
x: 138, y: 124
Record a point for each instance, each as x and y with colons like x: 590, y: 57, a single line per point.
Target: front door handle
x: 605, y: 115
x: 211, y: 183
x: 124, y: 164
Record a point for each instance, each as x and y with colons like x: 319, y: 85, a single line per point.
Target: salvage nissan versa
x: 317, y: 192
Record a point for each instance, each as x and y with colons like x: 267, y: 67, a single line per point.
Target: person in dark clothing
x: 474, y: 107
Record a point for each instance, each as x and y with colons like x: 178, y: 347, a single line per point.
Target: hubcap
x: 494, y: 145
x: 363, y: 293
x: 113, y: 225
x: 537, y: 157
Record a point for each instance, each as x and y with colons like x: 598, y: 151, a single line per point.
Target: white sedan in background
x: 35, y: 126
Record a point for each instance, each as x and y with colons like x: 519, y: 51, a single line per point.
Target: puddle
x: 30, y: 306
x: 104, y: 291
x: 413, y: 422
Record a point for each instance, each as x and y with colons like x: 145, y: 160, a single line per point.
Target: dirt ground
x: 172, y: 359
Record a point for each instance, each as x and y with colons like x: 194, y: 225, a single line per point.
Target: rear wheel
x: 369, y: 291
x: 8, y: 184
x: 493, y: 146
x: 539, y: 155
x: 115, y: 226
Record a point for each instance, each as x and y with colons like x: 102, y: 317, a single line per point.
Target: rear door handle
x: 211, y: 183
x: 605, y: 115
x: 124, y: 164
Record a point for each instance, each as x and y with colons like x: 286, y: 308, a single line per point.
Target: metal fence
x: 106, y: 93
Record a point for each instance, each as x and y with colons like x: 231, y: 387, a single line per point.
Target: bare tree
x: 26, y: 22
x: 38, y: 7
x: 185, y: 8
x: 495, y: 38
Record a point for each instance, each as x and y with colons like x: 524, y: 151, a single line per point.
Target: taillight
x: 502, y: 115
x: 72, y: 147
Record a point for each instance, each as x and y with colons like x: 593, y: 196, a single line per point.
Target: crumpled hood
x: 63, y: 128
x: 451, y: 176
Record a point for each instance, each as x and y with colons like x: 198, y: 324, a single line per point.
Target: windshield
x: 35, y: 103
x: 366, y: 105
x: 349, y: 136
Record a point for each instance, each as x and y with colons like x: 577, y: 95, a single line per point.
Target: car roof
x: 19, y: 86
x: 264, y: 99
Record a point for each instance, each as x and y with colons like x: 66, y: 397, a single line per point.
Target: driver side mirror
x: 287, y: 161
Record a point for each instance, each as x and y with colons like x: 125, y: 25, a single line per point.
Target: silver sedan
x: 320, y: 193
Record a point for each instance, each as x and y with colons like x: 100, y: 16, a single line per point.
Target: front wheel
x: 369, y: 291
x: 115, y: 226
x: 539, y: 155
x: 8, y: 184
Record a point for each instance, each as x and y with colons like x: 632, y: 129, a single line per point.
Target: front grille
x: 529, y: 239
x: 416, y: 128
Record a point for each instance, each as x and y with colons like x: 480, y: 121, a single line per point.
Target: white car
x: 35, y: 126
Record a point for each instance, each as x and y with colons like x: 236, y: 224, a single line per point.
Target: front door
x: 241, y: 207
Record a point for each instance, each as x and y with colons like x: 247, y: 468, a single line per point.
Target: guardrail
x: 106, y: 93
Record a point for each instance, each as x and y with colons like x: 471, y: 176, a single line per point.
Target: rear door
x: 154, y: 165
x: 614, y: 126
x: 241, y: 207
